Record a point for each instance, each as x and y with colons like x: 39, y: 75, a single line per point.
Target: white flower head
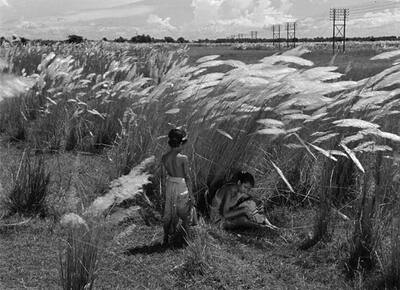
x: 73, y: 220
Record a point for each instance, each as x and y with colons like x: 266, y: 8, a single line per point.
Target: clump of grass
x: 362, y: 253
x: 80, y: 257
x: 392, y: 276
x: 198, y: 253
x: 30, y: 187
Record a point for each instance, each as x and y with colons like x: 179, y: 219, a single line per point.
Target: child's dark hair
x: 176, y: 137
x: 244, y: 177
x: 174, y: 143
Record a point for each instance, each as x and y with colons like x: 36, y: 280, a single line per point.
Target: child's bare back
x: 175, y: 164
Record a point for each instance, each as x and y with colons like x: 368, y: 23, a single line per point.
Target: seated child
x: 234, y: 207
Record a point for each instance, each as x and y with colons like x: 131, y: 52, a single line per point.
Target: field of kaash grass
x: 83, y: 127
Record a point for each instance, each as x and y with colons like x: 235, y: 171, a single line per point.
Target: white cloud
x: 106, y: 13
x: 221, y: 17
x: 4, y: 3
x: 377, y: 19
x: 27, y: 25
x: 162, y: 23
x: 285, y: 6
x: 102, y: 4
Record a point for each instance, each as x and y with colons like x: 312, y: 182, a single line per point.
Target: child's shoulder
x: 182, y: 156
x: 228, y: 188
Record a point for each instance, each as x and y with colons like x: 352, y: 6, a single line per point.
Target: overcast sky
x: 192, y: 19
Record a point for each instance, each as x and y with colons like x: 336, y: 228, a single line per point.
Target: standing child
x: 178, y: 188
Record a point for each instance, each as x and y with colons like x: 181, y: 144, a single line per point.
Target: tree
x: 24, y: 40
x: 120, y: 39
x: 142, y: 39
x: 181, y: 40
x: 74, y: 38
x: 104, y: 39
x: 169, y: 39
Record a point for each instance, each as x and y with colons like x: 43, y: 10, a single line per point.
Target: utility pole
x: 339, y: 16
x: 276, y: 35
x: 291, y: 34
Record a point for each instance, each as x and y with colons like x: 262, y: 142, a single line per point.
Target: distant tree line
x: 148, y: 39
x: 168, y: 39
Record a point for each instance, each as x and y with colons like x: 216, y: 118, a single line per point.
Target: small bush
x: 30, y: 187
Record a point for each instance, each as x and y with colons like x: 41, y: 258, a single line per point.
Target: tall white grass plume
x: 13, y: 86
x: 279, y: 171
x: 386, y: 55
x: 123, y: 188
x: 353, y: 157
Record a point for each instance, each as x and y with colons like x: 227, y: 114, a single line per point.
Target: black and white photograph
x: 199, y: 144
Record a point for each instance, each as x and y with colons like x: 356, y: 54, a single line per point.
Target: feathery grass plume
x: 353, y: 157
x: 282, y: 176
x: 123, y: 188
x: 13, y: 86
x: 73, y: 220
x: 30, y: 187
x: 386, y: 55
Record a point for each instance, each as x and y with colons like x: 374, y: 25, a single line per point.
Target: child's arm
x: 162, y: 179
x: 188, y: 181
x: 233, y: 212
x: 230, y: 210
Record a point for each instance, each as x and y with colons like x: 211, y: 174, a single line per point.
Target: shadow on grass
x: 177, y: 242
x: 147, y: 249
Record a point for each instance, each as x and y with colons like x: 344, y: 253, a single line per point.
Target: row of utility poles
x: 290, y: 34
x: 338, y: 16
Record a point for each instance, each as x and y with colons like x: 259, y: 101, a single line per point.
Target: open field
x: 320, y: 134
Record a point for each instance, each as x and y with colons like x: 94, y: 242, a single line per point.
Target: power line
x: 338, y: 16
x: 372, y: 6
x: 276, y: 35
x: 372, y: 10
x: 291, y: 34
x: 357, y: 10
